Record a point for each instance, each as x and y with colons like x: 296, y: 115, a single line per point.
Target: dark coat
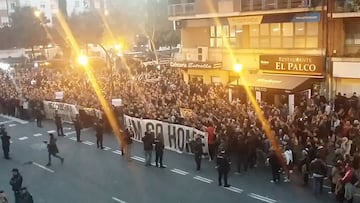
x: 148, y: 140
x: 52, y: 147
x: 5, y: 139
x: 223, y: 162
x: 159, y: 145
x: 26, y: 198
x: 16, y: 182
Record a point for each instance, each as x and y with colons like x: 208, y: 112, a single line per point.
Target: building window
x: 222, y: 35
x: 216, y: 80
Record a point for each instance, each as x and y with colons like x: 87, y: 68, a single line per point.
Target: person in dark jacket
x: 148, y: 141
x: 242, y: 150
x: 77, y: 126
x: 38, y: 116
x: 99, y: 134
x: 53, y: 149
x: 5, y: 140
x: 318, y: 170
x: 223, y: 167
x: 275, y: 164
x: 126, y: 146
x: 25, y: 196
x: 58, y: 123
x: 198, y: 151
x: 159, y: 150
x: 16, y: 183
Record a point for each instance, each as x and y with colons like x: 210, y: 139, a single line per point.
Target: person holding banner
x: 148, y: 141
x: 58, y: 123
x: 159, y: 150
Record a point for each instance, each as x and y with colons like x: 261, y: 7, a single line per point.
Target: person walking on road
x: 318, y: 170
x: 198, y: 151
x: 3, y: 198
x: 58, y: 123
x: 77, y: 126
x: 223, y: 167
x: 5, y: 140
x: 53, y: 150
x: 16, y: 183
x: 99, y: 134
x: 159, y: 151
x: 148, y: 141
x: 25, y: 196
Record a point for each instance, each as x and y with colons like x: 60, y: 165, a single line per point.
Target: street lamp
x: 238, y: 69
x: 37, y: 13
x: 83, y: 60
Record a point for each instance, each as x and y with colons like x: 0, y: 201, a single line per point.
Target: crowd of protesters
x: 317, y: 133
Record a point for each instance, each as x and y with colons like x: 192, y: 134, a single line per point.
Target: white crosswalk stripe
x: 38, y: 135
x: 12, y: 125
x: 88, y: 143
x: 107, y: 148
x: 261, y: 198
x: 117, y: 152
x: 234, y: 189
x: 72, y: 138
x: 202, y: 179
x: 23, y: 138
x: 178, y: 171
x: 138, y: 159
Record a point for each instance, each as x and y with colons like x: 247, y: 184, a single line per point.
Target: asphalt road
x: 90, y: 175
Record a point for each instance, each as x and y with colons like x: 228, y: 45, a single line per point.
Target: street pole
x: 110, y: 67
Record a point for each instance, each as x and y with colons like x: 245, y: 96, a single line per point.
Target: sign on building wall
x: 292, y: 65
x: 196, y: 65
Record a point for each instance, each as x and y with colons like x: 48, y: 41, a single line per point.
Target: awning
x: 270, y: 81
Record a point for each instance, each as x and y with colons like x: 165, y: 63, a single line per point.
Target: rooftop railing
x: 344, y: 6
x: 184, y: 9
x: 259, y: 5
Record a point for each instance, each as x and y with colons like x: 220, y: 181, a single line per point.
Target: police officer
x: 58, y: 123
x: 198, y: 151
x: 223, y: 167
x: 5, y: 140
x: 99, y: 134
x: 77, y: 125
x: 16, y: 183
x: 159, y: 151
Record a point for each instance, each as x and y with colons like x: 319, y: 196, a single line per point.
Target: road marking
x: 117, y: 152
x: 178, y: 171
x: 202, y: 179
x: 11, y: 142
x: 88, y: 143
x: 261, y: 198
x: 14, y: 119
x: 357, y: 195
x: 51, y: 131
x: 67, y: 128
x: 12, y: 125
x: 118, y: 200
x: 43, y: 167
x: 107, y: 148
x: 72, y: 138
x: 137, y: 158
x: 38, y: 135
x: 70, y: 133
x: 23, y: 138
x: 234, y: 189
x: 5, y: 122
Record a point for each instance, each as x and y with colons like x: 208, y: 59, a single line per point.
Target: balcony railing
x: 259, y: 5
x: 347, y: 6
x: 185, y: 9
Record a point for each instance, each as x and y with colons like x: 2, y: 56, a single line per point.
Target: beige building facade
x: 281, y: 45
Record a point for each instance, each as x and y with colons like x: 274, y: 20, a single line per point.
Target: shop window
x: 222, y: 35
x: 254, y: 30
x: 219, y: 42
x: 212, y: 42
x: 254, y: 42
x: 264, y: 30
x: 312, y: 42
x: 288, y: 42
x: 212, y: 31
x: 288, y: 29
x: 275, y: 29
x: 312, y: 29
x: 218, y: 31
x: 299, y: 42
x: 299, y: 29
x: 275, y: 42
x: 264, y: 42
x: 225, y: 31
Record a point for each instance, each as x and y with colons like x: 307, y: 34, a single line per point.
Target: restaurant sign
x: 196, y: 65
x: 292, y: 65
